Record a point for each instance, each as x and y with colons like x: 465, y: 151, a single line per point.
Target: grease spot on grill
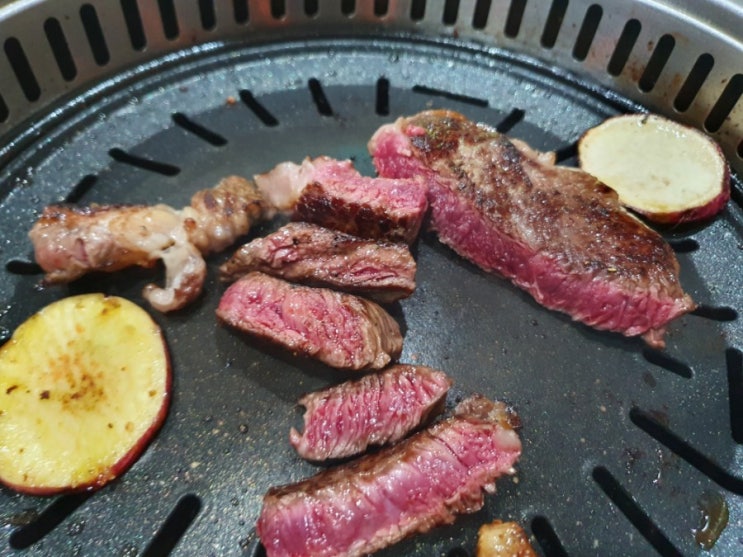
x: 714, y: 519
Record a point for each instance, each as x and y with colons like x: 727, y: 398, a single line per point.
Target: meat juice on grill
x: 554, y: 231
x: 333, y: 194
x: 379, y: 499
x: 71, y: 241
x: 378, y: 409
x: 318, y: 256
x: 339, y: 329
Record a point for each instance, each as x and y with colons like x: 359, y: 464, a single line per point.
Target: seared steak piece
x: 378, y: 409
x: 339, y: 329
x: 333, y: 194
x: 377, y: 500
x: 72, y: 241
x: 556, y: 232
x: 311, y: 254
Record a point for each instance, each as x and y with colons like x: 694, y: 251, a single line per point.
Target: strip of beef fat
x: 378, y: 409
x: 339, y: 329
x: 556, y: 232
x: 333, y: 194
x: 71, y: 241
x: 318, y: 256
x: 410, y: 487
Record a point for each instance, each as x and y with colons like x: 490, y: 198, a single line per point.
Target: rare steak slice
x: 378, y: 409
x: 377, y: 500
x: 556, y: 232
x: 318, y: 256
x: 333, y: 194
x: 339, y: 329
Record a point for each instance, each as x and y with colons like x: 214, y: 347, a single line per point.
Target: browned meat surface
x: 503, y: 539
x: 72, y: 241
x: 310, y: 254
x: 339, y: 329
x: 413, y: 486
x: 217, y: 217
x: 378, y: 409
x: 333, y: 194
x: 556, y: 232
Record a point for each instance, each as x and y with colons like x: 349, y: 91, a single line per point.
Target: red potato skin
x: 124, y: 463
x: 692, y: 214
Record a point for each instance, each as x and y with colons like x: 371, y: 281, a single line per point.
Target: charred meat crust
x: 556, y: 232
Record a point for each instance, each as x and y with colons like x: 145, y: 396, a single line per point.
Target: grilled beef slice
x: 378, y: 409
x: 311, y: 254
x: 333, y: 194
x: 556, y: 232
x: 410, y: 487
x: 339, y: 329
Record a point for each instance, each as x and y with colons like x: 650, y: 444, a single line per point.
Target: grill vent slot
x: 661, y: 359
x: 660, y: 432
x: 425, y: 90
x: 547, y: 538
x: 381, y: 7
x: 3, y: 110
x: 81, y: 188
x: 22, y: 69
x: 278, y: 9
x: 311, y: 7
x: 158, y: 167
x: 724, y: 104
x: 481, y: 13
x: 451, y: 11
x: 633, y: 512
x: 94, y: 33
x: 258, y: 109
x: 417, y: 10
x: 587, y: 32
x: 169, y: 19
x: 734, y: 360
x: 60, y: 48
x: 514, y: 18
x: 133, y: 21
x: 694, y: 81
x: 382, y: 105
x: 23, y: 267
x: 240, y: 11
x: 507, y: 124
x: 348, y: 7
x: 211, y: 137
x: 319, y: 98
x: 207, y: 14
x: 624, y: 47
x: 554, y: 23
x: 174, y: 527
x: 51, y: 517
x: 657, y: 62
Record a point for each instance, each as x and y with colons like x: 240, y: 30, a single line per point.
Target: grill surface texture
x: 149, y: 101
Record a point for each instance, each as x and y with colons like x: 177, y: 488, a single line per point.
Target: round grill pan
x: 137, y: 101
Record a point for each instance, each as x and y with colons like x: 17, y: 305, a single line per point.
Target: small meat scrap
x: 503, y: 539
x: 339, y: 329
x: 378, y: 409
x: 71, y: 241
x: 410, y: 487
x: 311, y: 254
x: 333, y: 194
x: 556, y: 232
